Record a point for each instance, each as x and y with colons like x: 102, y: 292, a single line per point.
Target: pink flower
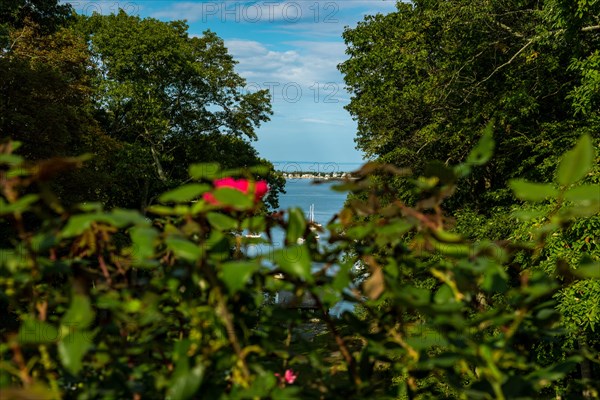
x: 288, y: 377
x: 259, y: 188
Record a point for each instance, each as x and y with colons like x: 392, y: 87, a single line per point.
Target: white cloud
x: 322, y: 121
x: 306, y: 64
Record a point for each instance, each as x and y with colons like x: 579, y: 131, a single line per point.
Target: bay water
x: 304, y: 193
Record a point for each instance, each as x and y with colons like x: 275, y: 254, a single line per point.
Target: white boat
x: 254, y: 235
x: 311, y: 218
x: 314, y: 226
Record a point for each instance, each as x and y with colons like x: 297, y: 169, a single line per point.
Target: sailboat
x: 311, y: 218
x: 313, y: 225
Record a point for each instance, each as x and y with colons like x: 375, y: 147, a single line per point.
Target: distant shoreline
x: 318, y: 176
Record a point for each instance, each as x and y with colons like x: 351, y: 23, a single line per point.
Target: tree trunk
x: 157, y: 164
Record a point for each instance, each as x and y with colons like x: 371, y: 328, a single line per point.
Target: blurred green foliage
x: 112, y: 304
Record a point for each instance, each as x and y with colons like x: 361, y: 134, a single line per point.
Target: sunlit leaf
x: 236, y: 274
x: 72, y: 349
x: 204, y: 171
x: 296, y: 225
x: 221, y: 221
x: 19, y: 206
x: 144, y: 239
x: 34, y: 331
x: 185, y: 193
x: 484, y: 149
x: 589, y: 270
x: 184, y: 248
x: 584, y: 194
x: 232, y: 197
x: 576, y: 162
x: 80, y: 313
x: 186, y: 385
x: 295, y: 260
x: 530, y: 191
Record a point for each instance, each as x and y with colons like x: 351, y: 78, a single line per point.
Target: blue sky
x: 291, y: 48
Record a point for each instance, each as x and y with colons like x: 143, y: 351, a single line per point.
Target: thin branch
x: 227, y: 319
x: 529, y: 43
x: 344, y: 350
x: 510, y: 30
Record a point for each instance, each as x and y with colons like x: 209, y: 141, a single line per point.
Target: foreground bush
x: 112, y: 304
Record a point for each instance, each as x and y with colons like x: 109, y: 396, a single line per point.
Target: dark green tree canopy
x: 427, y: 78
x: 161, y: 92
x: 159, y: 81
x: 142, y: 96
x: 47, y: 14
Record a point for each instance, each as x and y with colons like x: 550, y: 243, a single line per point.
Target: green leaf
x: 187, y: 384
x: 10, y: 159
x: 34, y: 331
x: 185, y: 381
x: 530, y: 191
x: 20, y: 205
x: 122, y: 218
x: 452, y: 249
x: 161, y: 210
x: 185, y: 193
x: 221, y: 222
x: 232, y: 197
x: 233, y: 172
x: 184, y: 248
x: 588, y: 271
x: 78, y: 224
x: 444, y: 295
x: 204, y: 171
x: 80, y: 313
x: 90, y: 207
x: 73, y: 348
x: 261, y: 170
x: 361, y: 231
x: 143, y: 239
x: 235, y: 274
x: 484, y: 149
x: 527, y: 215
x: 584, y: 194
x: 296, y: 225
x: 427, y: 338
x: 295, y: 260
x: 495, y: 280
x: 576, y: 162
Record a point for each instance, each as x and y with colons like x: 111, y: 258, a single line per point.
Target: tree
x: 160, y: 89
x: 46, y: 103
x: 427, y: 78
x: 47, y: 14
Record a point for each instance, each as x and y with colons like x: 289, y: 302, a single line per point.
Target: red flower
x: 289, y: 377
x: 259, y: 188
